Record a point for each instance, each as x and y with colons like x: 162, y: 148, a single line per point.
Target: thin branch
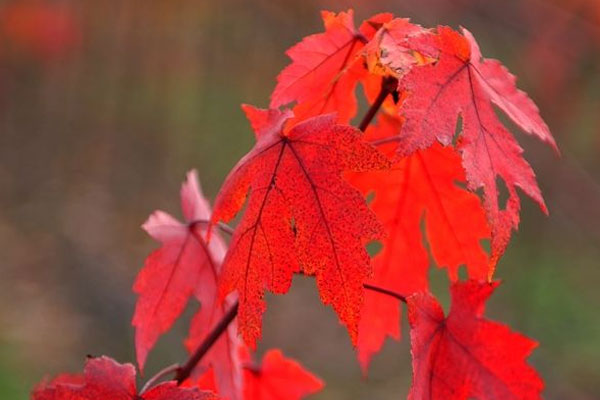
x: 222, y: 226
x: 225, y: 228
x: 377, y: 289
x: 386, y: 140
x: 388, y: 292
x: 388, y: 85
x: 158, y: 376
x: 184, y: 371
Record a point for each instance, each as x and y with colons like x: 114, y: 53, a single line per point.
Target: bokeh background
x: 104, y: 105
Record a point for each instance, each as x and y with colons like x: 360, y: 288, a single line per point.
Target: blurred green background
x: 104, y: 105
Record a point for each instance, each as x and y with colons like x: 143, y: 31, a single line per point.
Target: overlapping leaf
x: 183, y: 266
x: 301, y: 216
x: 320, y: 78
x: 464, y: 355
x: 279, y: 378
x: 419, y: 190
x: 104, y: 378
x: 396, y: 47
x: 463, y: 84
x: 186, y: 266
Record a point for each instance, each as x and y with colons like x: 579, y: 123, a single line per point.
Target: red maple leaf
x: 326, y: 68
x: 104, y: 378
x: 464, y: 355
x: 279, y: 378
x: 183, y: 266
x: 462, y: 83
x: 301, y: 216
x: 396, y: 47
x: 421, y: 188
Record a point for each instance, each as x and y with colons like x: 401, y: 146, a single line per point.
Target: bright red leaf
x: 419, y: 190
x: 301, y: 216
x: 321, y: 77
x: 183, y: 266
x: 464, y: 355
x: 462, y: 83
x: 396, y: 47
x: 103, y: 378
x: 279, y: 378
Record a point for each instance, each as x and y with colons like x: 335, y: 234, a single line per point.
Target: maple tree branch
x: 377, y: 289
x: 388, y: 86
x: 388, y: 292
x: 158, y: 376
x: 186, y: 369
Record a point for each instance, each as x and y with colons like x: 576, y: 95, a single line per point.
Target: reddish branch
x: 389, y: 85
x: 381, y: 290
x: 183, y: 372
x: 222, y: 226
x: 158, y: 376
x: 186, y: 369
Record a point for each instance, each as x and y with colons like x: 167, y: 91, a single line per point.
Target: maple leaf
x: 301, y: 216
x: 463, y: 83
x: 396, y: 47
x: 326, y: 68
x: 279, y: 378
x: 465, y: 355
x: 419, y: 190
x: 183, y: 266
x: 104, y: 378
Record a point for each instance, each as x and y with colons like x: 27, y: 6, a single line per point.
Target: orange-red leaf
x: 103, y: 378
x: 464, y: 355
x: 320, y: 78
x: 396, y: 47
x: 462, y: 83
x: 279, y: 378
x: 420, y: 191
x: 183, y: 266
x: 301, y: 216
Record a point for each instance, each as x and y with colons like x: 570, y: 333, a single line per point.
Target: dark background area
x: 104, y: 105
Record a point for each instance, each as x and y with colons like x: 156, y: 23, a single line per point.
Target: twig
x: 388, y: 85
x: 388, y: 292
x: 184, y: 371
x: 222, y: 226
x: 158, y: 376
x: 386, y: 140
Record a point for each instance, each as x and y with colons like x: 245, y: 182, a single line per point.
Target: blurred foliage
x: 105, y: 104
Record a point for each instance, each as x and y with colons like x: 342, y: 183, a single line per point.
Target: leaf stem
x: 377, y: 289
x: 388, y: 86
x: 158, y: 376
x: 186, y: 369
x: 386, y: 140
x: 222, y: 226
x: 388, y: 292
